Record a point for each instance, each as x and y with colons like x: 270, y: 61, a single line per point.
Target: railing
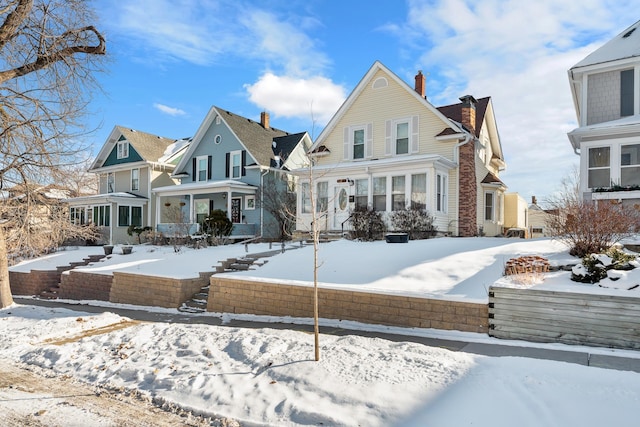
x: 178, y: 229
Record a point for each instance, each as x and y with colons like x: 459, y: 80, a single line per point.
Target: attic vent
x: 380, y: 82
x: 628, y: 33
x: 273, y: 144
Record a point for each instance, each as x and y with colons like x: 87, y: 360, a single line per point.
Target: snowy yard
x: 267, y: 376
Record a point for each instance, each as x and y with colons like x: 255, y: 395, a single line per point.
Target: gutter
x: 456, y: 159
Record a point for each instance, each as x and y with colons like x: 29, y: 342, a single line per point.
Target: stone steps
x: 52, y: 291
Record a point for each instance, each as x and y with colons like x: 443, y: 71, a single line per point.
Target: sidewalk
x: 580, y: 356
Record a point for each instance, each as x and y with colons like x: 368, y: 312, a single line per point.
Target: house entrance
x: 340, y: 206
x: 235, y: 210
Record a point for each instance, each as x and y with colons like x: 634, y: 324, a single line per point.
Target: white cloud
x: 169, y: 110
x: 518, y: 53
x: 315, y: 97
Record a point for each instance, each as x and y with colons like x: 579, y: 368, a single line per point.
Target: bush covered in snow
x: 595, y: 267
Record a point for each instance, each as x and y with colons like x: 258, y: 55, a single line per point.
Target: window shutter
x: 414, y: 134
x: 193, y: 167
x: 369, y: 141
x: 387, y: 138
x: 347, y: 146
x: 210, y: 206
x: 244, y: 162
x: 226, y: 167
x: 209, y: 164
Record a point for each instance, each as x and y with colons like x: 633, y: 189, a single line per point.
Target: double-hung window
x: 111, y: 182
x: 202, y: 163
x: 305, y: 198
x: 630, y: 165
x: 323, y: 197
x: 358, y: 143
x: 135, y: 179
x: 419, y: 191
x: 362, y: 193
x: 129, y: 215
x: 402, y: 137
x: 235, y: 165
x: 489, y: 206
x: 627, y: 93
x: 599, y: 174
x: 441, y: 193
x: 397, y: 193
x: 380, y: 194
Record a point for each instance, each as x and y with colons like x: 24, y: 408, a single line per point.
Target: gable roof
x: 346, y: 105
x: 252, y: 136
x: 624, y: 45
x: 150, y: 147
x: 454, y: 112
x: 282, y: 147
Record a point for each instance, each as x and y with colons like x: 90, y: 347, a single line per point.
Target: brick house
x: 389, y: 148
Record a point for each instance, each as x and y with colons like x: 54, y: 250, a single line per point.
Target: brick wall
x: 232, y: 295
x: 32, y: 283
x: 154, y: 291
x: 603, y: 101
x: 79, y: 285
x: 468, y: 191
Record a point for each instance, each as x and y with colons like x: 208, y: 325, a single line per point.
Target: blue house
x: 229, y: 164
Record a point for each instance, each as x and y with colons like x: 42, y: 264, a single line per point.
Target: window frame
x: 111, y: 182
x: 130, y: 216
x: 591, y: 168
x: 355, y: 129
x: 102, y: 215
x: 631, y: 165
x: 418, y: 198
x: 305, y: 198
x: 200, y: 171
x: 135, y: 181
x: 441, y: 192
x: 361, y: 193
x: 489, y: 208
x: 396, y: 124
x: 398, y: 192
x: 122, y: 149
x: 322, y: 196
x: 377, y: 197
x: 233, y: 155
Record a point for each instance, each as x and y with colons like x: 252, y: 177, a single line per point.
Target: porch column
x: 229, y: 204
x: 192, y: 217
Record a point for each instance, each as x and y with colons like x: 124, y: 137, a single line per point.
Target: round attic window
x: 217, y: 139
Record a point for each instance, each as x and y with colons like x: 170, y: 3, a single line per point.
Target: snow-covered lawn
x: 267, y: 376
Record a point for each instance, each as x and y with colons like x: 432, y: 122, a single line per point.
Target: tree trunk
x: 5, y: 290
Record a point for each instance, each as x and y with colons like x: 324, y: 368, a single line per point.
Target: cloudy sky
x: 171, y: 60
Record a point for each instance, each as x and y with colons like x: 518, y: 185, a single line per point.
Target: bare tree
x: 49, y: 51
x: 276, y: 198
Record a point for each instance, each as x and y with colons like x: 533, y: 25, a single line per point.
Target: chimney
x: 264, y: 119
x: 420, y: 84
x: 534, y: 201
x: 469, y: 112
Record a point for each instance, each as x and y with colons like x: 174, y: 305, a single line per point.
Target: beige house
x: 389, y: 148
x: 516, y: 213
x: 130, y: 164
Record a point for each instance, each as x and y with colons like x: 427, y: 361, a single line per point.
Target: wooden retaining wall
x: 232, y: 295
x: 564, y: 317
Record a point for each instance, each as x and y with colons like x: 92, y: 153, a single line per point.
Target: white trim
x: 232, y: 155
x: 198, y: 169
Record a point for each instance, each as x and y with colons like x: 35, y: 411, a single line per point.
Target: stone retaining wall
x: 79, y: 285
x: 232, y: 295
x: 154, y: 291
x: 33, y: 282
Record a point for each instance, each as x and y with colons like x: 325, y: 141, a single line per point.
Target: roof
x: 256, y: 139
x: 492, y: 179
x: 150, y: 147
x: 282, y: 147
x: 454, y: 112
x: 624, y: 45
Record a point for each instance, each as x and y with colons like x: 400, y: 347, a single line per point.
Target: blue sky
x: 171, y: 60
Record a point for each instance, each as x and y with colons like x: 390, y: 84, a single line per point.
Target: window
x: 397, y: 193
x: 135, y: 179
x: 630, y: 165
x: 380, y: 194
x: 323, y: 197
x: 537, y: 230
x: 235, y: 164
x: 362, y: 193
x: 110, y: 182
x: 626, y: 93
x: 441, y: 193
x: 202, y: 168
x: 77, y: 215
x: 489, y: 206
x: 102, y: 215
x: 305, y: 198
x: 402, y: 138
x: 419, y: 191
x: 129, y: 215
x: 599, y: 167
x: 217, y: 139
x: 123, y: 149
x: 250, y: 203
x: 358, y: 144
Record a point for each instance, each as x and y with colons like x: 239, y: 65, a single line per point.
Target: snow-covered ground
x: 268, y: 376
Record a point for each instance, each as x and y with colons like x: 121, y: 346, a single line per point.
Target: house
x: 231, y: 163
x: 516, y: 215
x: 539, y: 219
x: 129, y: 165
x: 389, y: 148
x: 605, y: 87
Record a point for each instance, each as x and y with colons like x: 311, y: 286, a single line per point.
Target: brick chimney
x: 421, y: 84
x: 468, y: 184
x: 469, y: 112
x: 534, y: 201
x: 264, y: 119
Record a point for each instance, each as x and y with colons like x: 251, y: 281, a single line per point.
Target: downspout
x: 456, y: 158
x: 262, y: 175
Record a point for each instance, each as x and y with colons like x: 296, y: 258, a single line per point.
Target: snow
x: 268, y: 376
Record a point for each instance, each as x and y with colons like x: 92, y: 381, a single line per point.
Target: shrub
x: 594, y: 267
x: 418, y: 223
x: 367, y: 224
x: 138, y: 230
x: 218, y: 226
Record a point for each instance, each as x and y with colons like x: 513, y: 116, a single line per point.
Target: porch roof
x: 119, y: 197
x: 206, y: 187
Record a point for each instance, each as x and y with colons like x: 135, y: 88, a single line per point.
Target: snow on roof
x: 624, y: 45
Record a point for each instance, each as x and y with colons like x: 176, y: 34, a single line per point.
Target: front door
x: 235, y: 210
x: 340, y: 206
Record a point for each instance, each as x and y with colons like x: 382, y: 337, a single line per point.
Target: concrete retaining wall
x: 32, y: 283
x: 231, y: 295
x: 79, y: 285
